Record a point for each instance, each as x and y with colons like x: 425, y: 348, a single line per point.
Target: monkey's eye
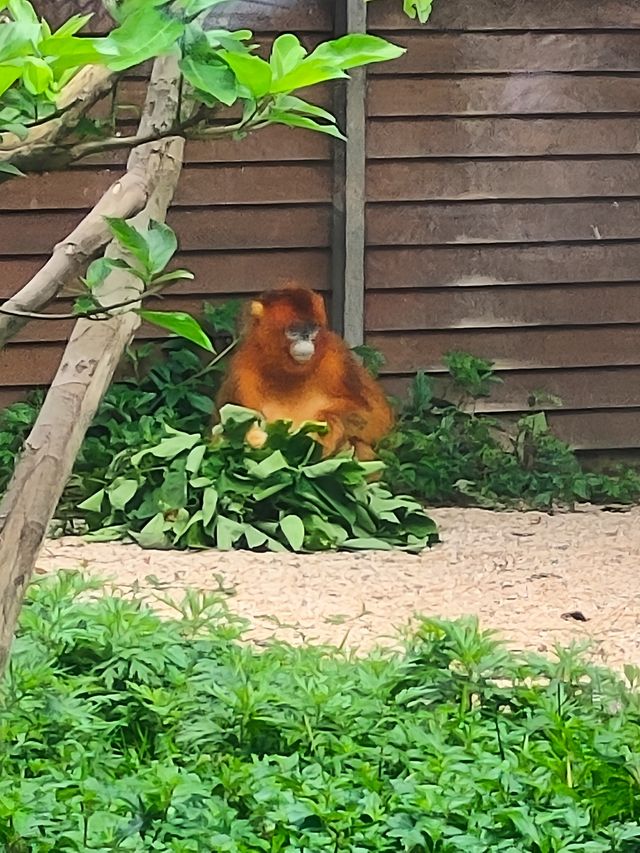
x: 302, y: 332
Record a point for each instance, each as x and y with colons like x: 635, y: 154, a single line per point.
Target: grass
x: 121, y: 731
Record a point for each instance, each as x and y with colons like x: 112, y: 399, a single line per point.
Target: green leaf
x: 120, y: 493
x: 162, y: 245
x: 293, y: 528
x: 72, y: 25
x: 228, y: 532
x: 237, y: 414
x: 10, y: 169
x: 152, y: 534
x: 175, y: 275
x: 327, y: 467
x: 100, y: 268
x: 65, y: 52
x: 370, y: 544
x: 194, y: 459
x: 294, y: 120
x: 214, y: 78
x: 37, y: 76
x: 420, y: 8
x: 310, y: 72
x: 194, y: 7
x: 290, y: 103
x: 255, y: 538
x: 180, y: 324
x: 209, y: 504
x: 286, y: 54
x: 261, y: 470
x: 356, y: 49
x: 144, y: 34
x: 93, y: 503
x: 130, y: 239
x: 168, y: 448
x: 8, y: 76
x: 250, y: 71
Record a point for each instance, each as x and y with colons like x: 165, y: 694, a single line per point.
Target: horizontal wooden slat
x: 8, y: 396
x: 594, y: 388
x: 237, y: 184
x: 271, y: 144
x: 492, y: 307
x: 512, y: 15
x: 502, y: 137
x: 25, y: 363
x: 502, y: 222
x: 469, y: 266
x: 469, y: 53
x: 510, y: 179
x: 609, y: 430
x: 208, y: 228
x: 510, y: 95
x: 512, y: 349
x: 215, y: 272
x: 255, y: 14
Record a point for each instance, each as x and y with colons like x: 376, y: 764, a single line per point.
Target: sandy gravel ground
x: 521, y: 573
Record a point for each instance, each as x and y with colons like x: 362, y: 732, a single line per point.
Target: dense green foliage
x: 186, y: 491
x: 441, y: 452
x: 120, y: 731
x: 220, y: 68
x: 445, y: 453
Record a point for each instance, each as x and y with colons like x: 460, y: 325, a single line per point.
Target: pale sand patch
x: 518, y: 572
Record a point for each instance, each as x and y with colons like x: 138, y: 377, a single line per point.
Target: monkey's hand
x: 335, y: 438
x: 256, y: 437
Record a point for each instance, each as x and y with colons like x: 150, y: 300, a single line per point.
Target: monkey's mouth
x: 302, y: 352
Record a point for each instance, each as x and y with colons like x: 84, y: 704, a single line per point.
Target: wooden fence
x: 501, y: 159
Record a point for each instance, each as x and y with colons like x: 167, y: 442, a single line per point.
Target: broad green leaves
x: 182, y: 492
x: 180, y: 324
x: 145, y: 33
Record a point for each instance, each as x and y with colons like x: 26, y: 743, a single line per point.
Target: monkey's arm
x: 241, y: 390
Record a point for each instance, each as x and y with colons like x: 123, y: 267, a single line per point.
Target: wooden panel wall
x: 503, y: 219
x: 503, y: 216
x: 249, y: 214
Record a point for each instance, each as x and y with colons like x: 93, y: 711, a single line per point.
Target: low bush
x: 120, y: 731
x: 444, y: 453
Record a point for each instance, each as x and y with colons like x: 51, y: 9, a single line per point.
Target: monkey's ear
x: 257, y: 309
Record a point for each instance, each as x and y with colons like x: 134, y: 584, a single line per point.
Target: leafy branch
x: 61, y: 75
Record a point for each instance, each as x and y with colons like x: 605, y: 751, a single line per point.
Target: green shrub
x: 121, y: 731
x: 445, y: 453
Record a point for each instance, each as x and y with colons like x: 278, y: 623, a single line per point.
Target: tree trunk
x: 85, y: 372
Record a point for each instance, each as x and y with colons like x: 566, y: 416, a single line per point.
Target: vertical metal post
x: 349, y: 189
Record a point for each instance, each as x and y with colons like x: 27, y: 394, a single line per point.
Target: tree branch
x: 86, y: 370
x: 39, y: 149
x: 102, y: 312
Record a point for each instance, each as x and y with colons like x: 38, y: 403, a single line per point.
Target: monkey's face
x: 301, y: 339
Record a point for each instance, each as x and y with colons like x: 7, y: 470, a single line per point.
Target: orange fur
x: 332, y: 387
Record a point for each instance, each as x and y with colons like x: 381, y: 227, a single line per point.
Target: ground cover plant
x: 122, y: 731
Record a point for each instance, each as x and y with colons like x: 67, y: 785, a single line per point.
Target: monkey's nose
x: 302, y: 351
